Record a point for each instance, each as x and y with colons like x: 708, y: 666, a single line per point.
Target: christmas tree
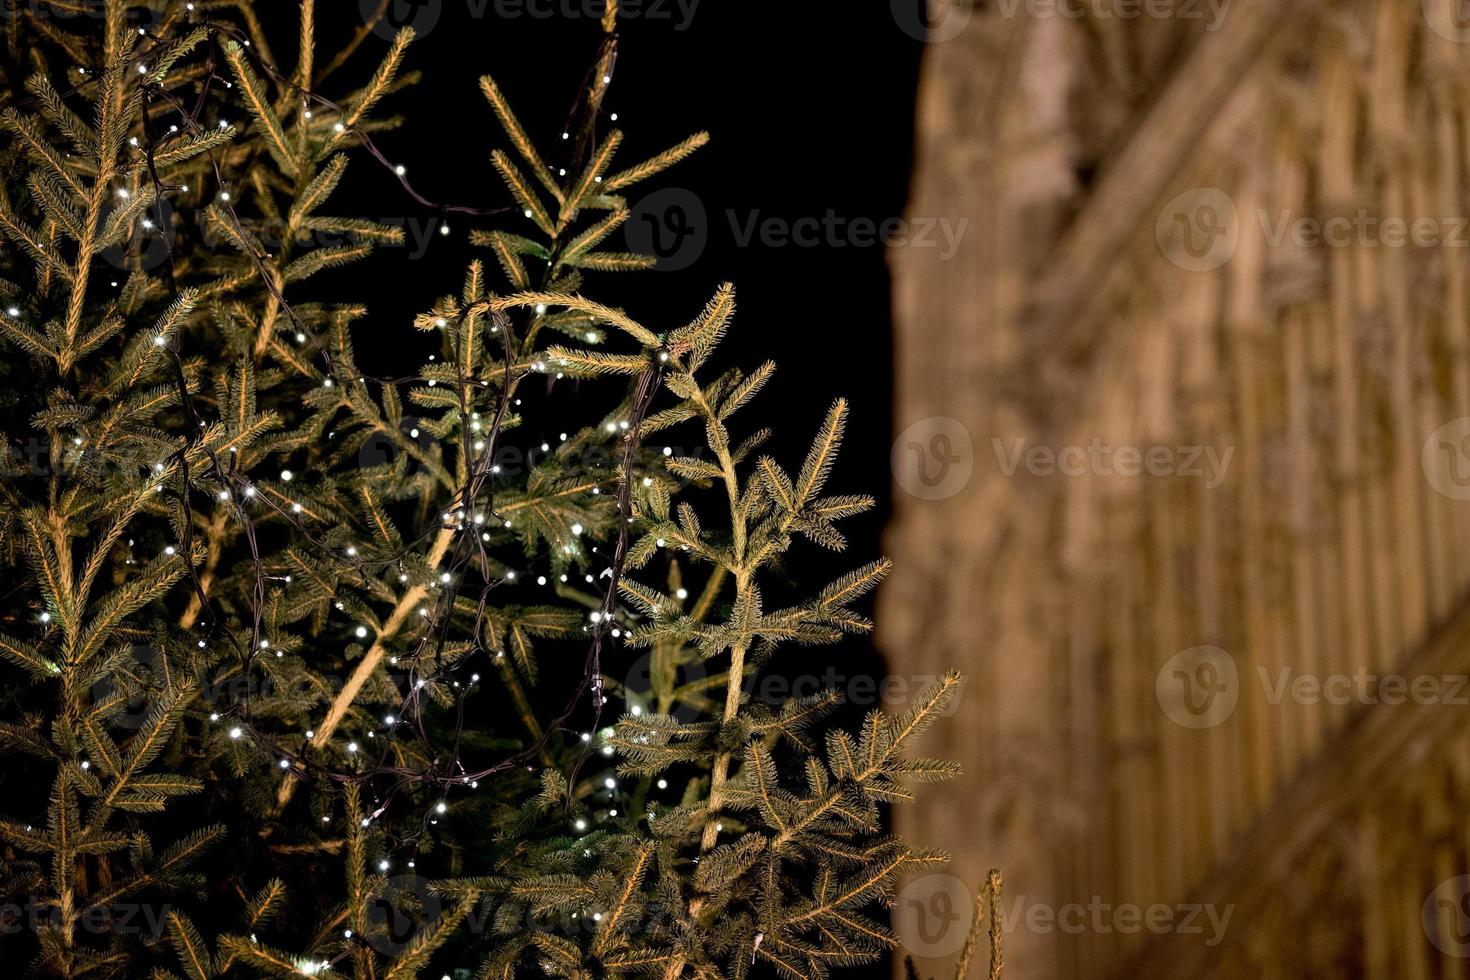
x: 318, y: 673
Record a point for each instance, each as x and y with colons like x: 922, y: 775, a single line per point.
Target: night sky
x: 811, y: 115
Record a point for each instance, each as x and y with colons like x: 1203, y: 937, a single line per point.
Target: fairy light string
x: 469, y: 549
x: 399, y: 759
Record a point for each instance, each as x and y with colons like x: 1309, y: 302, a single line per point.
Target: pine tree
x: 278, y: 632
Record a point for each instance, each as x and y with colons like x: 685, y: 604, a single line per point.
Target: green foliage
x: 256, y: 590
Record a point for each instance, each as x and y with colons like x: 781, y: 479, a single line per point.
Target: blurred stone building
x: 1184, y: 484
